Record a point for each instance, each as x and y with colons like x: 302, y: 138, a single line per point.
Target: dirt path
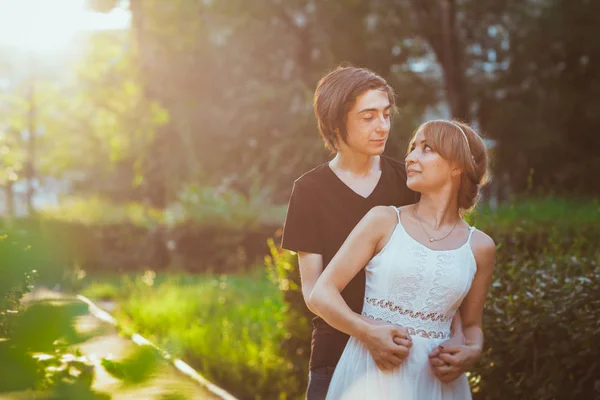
x: 167, y: 382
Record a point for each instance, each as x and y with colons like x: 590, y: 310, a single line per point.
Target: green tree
x: 241, y: 78
x: 99, y: 126
x: 544, y: 107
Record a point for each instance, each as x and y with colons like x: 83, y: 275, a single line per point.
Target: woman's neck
x: 438, y: 209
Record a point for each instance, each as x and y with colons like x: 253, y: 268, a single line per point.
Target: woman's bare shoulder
x: 379, y: 218
x: 484, y: 249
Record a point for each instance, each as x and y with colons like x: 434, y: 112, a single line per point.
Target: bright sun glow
x: 49, y: 26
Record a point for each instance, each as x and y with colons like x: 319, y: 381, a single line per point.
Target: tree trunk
x: 10, y: 199
x: 451, y: 62
x: 437, y: 25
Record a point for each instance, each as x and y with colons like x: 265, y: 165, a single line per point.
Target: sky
x: 50, y: 26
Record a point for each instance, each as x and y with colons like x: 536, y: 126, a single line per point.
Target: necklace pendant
x: 430, y: 239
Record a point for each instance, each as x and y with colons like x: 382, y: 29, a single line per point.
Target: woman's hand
x: 448, y: 362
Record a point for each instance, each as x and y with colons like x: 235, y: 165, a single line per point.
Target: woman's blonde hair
x: 458, y: 142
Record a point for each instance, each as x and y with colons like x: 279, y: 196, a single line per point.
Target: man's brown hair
x: 336, y: 94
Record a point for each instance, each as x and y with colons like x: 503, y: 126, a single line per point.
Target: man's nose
x: 384, y: 124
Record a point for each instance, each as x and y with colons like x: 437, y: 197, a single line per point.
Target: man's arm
x: 311, y: 267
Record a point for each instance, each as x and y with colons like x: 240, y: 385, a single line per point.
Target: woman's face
x: 426, y: 170
x: 368, y: 123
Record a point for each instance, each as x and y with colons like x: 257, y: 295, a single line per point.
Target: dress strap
x: 397, y: 212
x: 471, y: 230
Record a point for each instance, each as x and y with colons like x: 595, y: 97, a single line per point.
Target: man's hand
x: 388, y: 344
x: 448, y: 362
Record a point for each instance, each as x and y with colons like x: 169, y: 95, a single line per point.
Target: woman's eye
x: 427, y: 147
x: 386, y: 116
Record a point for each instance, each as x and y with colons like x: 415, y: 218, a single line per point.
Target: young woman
x: 423, y: 263
x: 353, y: 107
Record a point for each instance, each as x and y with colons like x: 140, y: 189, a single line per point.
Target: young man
x: 353, y: 108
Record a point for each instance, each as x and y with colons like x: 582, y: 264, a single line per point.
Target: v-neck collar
x: 349, y: 189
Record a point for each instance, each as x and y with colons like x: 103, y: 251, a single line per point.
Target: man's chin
x: 378, y: 151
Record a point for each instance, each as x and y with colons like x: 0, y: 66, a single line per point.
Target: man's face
x: 368, y: 123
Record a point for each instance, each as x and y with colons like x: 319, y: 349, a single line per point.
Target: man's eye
x: 387, y: 116
x: 368, y: 117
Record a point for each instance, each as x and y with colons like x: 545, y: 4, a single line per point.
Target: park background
x: 148, y: 150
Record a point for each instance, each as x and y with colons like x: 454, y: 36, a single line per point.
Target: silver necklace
x: 431, y: 239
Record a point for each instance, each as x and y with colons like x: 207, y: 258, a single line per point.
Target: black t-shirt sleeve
x: 301, y: 229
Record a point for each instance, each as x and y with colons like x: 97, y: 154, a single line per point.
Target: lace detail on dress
x: 428, y: 325
x: 407, y: 282
x: 415, y: 331
x: 413, y: 314
x: 441, y: 292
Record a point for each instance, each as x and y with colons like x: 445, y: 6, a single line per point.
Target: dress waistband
x: 429, y: 325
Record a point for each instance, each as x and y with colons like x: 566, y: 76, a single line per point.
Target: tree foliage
x: 219, y: 92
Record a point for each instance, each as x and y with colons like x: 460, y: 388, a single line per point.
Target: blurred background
x: 148, y: 150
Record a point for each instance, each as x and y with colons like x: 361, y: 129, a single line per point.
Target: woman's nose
x: 410, y: 158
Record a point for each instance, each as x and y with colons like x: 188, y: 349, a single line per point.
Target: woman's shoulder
x: 381, y: 216
x: 483, y: 247
x: 377, y: 223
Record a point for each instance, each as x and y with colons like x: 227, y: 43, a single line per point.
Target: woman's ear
x: 456, y: 171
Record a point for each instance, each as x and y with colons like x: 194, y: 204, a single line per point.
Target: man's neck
x: 356, y: 164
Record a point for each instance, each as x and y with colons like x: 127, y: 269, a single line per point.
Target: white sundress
x: 411, y: 285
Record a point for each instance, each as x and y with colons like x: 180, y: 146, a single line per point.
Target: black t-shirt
x: 322, y: 212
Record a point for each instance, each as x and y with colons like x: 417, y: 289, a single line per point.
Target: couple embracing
x: 395, y: 276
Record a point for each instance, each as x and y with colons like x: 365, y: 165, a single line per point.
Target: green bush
x: 542, y: 326
x: 72, y: 247
x: 95, y: 211
x: 16, y: 278
x: 34, y: 339
x: 224, y: 207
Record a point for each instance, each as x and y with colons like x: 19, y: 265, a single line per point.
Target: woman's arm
x: 367, y: 238
x: 471, y: 309
x: 360, y: 246
x: 457, y: 359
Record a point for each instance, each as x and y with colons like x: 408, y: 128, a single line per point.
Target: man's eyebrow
x: 373, y: 109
